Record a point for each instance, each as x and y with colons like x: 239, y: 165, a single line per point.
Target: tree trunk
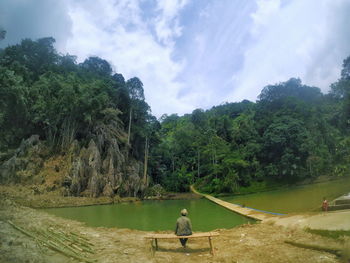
x: 198, y: 163
x: 145, y: 179
x: 214, y: 163
x: 173, y: 162
x: 129, y: 128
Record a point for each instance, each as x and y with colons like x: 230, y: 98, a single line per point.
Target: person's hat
x: 184, y: 212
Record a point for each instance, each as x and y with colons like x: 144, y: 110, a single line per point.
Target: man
x: 183, y: 227
x: 325, y: 204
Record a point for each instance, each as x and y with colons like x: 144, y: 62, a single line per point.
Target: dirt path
x: 248, y: 243
x: 335, y: 220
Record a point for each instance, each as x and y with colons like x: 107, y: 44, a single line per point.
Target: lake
x: 294, y: 199
x: 205, y: 215
x: 153, y: 215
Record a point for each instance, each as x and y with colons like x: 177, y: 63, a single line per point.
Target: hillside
x: 68, y: 127
x: 80, y: 129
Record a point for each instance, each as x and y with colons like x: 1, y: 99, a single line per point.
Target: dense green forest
x: 94, y: 117
x: 51, y: 95
x: 292, y: 133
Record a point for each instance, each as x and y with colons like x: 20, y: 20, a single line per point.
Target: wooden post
x: 211, y: 246
x: 152, y: 248
x: 156, y: 243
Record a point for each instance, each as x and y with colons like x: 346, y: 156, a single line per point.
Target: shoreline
x: 27, y: 196
x: 24, y: 195
x: 264, y: 241
x: 318, y: 180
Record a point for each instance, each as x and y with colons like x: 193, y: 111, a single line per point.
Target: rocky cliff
x: 92, y: 170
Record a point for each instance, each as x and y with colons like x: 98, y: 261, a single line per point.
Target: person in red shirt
x: 325, y: 204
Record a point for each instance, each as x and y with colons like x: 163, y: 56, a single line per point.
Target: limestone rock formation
x: 93, y: 170
x: 26, y: 161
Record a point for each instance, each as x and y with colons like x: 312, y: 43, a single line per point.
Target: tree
x: 97, y: 66
x: 345, y: 73
x: 341, y: 92
x: 32, y: 57
x: 276, y: 94
x: 13, y: 109
x: 2, y: 33
x: 135, y: 88
x: 285, y: 147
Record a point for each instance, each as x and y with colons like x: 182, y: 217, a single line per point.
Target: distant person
x: 183, y: 227
x: 325, y: 204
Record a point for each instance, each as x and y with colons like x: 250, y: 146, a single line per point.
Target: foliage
x: 45, y: 93
x: 292, y: 133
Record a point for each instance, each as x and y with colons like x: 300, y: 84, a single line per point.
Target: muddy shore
x: 29, y: 197
x: 262, y: 242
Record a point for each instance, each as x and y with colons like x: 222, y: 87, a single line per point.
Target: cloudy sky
x: 194, y: 53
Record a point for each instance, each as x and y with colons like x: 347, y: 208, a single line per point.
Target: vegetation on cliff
x: 83, y: 129
x: 97, y: 122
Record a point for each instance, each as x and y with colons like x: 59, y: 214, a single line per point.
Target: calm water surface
x: 205, y: 215
x: 153, y: 215
x: 295, y: 199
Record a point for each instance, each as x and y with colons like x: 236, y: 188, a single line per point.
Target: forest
x: 292, y: 133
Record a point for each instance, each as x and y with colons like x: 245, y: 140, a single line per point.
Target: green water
x: 295, y: 199
x: 205, y: 215
x: 153, y: 215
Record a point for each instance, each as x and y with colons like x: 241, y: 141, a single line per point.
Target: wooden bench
x: 209, y: 235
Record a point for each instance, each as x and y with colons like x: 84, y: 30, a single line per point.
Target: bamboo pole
x: 81, y: 239
x: 79, y: 236
x: 51, y: 244
x: 82, y: 246
x: 58, y: 242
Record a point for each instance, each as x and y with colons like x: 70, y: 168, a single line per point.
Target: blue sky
x: 194, y: 53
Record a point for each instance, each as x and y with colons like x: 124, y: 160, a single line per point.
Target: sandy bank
x: 335, y: 220
x: 248, y: 243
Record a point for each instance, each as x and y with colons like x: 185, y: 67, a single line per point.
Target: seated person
x: 183, y: 227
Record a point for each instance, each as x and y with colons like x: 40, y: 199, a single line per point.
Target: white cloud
x: 266, y: 10
x: 192, y: 54
x: 301, y: 39
x: 115, y: 31
x: 167, y: 22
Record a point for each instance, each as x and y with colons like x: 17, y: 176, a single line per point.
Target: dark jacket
x: 183, y: 226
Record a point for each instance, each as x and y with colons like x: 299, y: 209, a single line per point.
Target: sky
x: 193, y: 54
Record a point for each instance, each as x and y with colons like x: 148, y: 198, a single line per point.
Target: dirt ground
x: 333, y: 220
x: 261, y: 242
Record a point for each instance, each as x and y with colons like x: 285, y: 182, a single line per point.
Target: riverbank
x: 29, y: 196
x: 261, y: 242
x: 37, y: 196
x: 260, y: 187
x: 248, y: 243
x: 332, y: 220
